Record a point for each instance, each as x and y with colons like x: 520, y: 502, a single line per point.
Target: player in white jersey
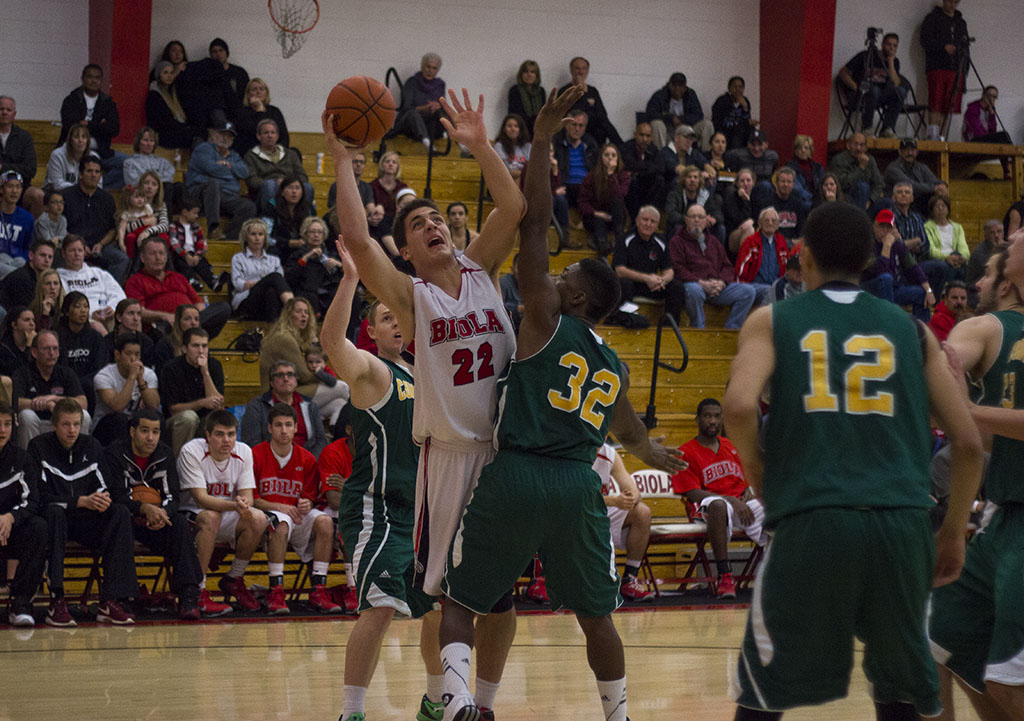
x: 217, y: 484
x: 464, y: 339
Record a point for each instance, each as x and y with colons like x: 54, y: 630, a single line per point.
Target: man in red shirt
x: 287, y: 486
x: 715, y: 490
x: 950, y: 310
x: 161, y: 291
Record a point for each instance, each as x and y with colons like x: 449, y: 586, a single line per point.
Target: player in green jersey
x: 376, y: 515
x: 564, y: 389
x: 844, y: 477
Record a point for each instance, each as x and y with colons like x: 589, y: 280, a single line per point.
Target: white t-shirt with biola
x: 221, y: 479
x: 109, y: 378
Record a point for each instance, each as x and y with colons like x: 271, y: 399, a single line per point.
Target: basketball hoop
x: 293, y: 19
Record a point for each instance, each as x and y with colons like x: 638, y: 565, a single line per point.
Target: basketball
x: 146, y: 494
x: 363, y: 109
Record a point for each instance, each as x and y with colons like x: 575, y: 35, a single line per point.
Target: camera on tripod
x: 873, y: 34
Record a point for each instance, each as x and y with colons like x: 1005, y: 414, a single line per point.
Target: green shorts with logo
x: 526, y: 504
x: 379, y: 544
x: 977, y: 622
x: 830, y: 575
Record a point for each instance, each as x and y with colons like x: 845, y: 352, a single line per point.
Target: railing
x: 650, y: 418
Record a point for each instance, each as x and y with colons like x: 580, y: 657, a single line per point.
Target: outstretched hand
x: 664, y: 458
x: 348, y: 266
x: 552, y: 116
x: 337, y: 149
x: 464, y: 124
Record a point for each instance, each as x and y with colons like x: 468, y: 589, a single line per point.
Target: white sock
x: 202, y: 584
x: 354, y: 701
x: 485, y: 693
x: 350, y: 578
x: 238, y: 567
x: 274, y: 569
x: 455, y: 661
x: 320, y: 568
x: 613, y: 699
x: 435, y: 687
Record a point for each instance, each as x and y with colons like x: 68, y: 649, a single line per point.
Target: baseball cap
x: 908, y: 143
x: 757, y: 136
x: 9, y: 175
x: 220, y: 122
x: 885, y: 217
x: 686, y: 131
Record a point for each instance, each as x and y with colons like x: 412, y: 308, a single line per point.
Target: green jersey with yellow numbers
x: 1003, y: 481
x: 992, y: 382
x: 848, y: 424
x: 559, y: 401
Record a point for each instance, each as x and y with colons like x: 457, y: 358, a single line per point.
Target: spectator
x: 681, y: 153
x: 191, y: 386
x: 980, y: 119
x: 992, y: 241
x: 23, y: 532
x: 164, y: 111
x: 311, y: 272
x: 642, y: 161
x: 97, y: 285
x: 90, y: 214
x: 48, y: 300
x: 309, y: 428
x: 526, y: 97
x: 716, y: 152
x: 269, y: 162
x: 255, y: 109
x: 642, y: 263
x: 673, y: 105
x: 128, y: 319
x: 462, y: 234
x: 40, y: 384
x: 715, y: 490
x: 510, y: 296
x: 62, y: 166
x: 600, y: 126
x: 950, y: 310
x: 73, y: 491
x: 18, y: 152
x: 260, y: 290
x: 906, y: 168
x: 738, y: 210
x: 947, y: 245
x: 214, y: 170
x: 145, y: 159
x: 287, y: 486
x: 602, y: 200
x: 945, y: 40
x: 172, y: 345
x: 894, y: 275
x: 185, y: 240
x: 792, y: 283
x: 577, y: 153
x: 365, y: 191
x: 217, y: 483
x: 15, y: 346
x: 420, y: 113
x: 700, y: 264
x: 387, y: 184
x: 173, y: 53
x: 89, y: 107
x: 513, y: 145
x: 559, y: 194
x: 755, y: 156
x: 691, y: 191
x: 874, y: 83
x: 154, y: 219
x: 51, y: 225
x: 19, y: 288
x: 858, y: 172
x: 809, y: 173
x: 288, y: 340
x: 787, y: 203
x: 1012, y: 221
x: 123, y: 388
x: 288, y: 209
x: 82, y: 349
x: 731, y: 114
x: 908, y: 221
x: 762, y: 257
x: 235, y: 78
x: 829, y: 192
x: 16, y: 225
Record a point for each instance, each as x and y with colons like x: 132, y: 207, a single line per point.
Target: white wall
x: 997, y: 52
x: 632, y: 46
x: 43, y: 46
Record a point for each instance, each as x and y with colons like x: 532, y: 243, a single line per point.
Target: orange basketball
x: 363, y: 109
x: 146, y: 494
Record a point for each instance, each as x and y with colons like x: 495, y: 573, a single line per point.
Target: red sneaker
x: 726, y: 586
x: 351, y: 603
x: 276, y: 605
x: 209, y: 607
x: 236, y: 587
x: 321, y: 600
x: 632, y: 590
x: 112, y: 612
x: 58, y: 614
x: 538, y: 591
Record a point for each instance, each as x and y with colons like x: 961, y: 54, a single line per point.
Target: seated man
x: 700, y: 262
x: 731, y: 114
x: 755, y: 156
x: 508, y: 284
x: 214, y: 170
x: 90, y: 213
x: 74, y: 483
x: 643, y: 161
x: 792, y: 283
x: 160, y: 291
x: 642, y: 263
x: 762, y: 257
x: 993, y: 240
x: 191, y: 386
x: 19, y: 288
x: 22, y: 532
x: 144, y: 477
x: 950, y: 310
x: 123, y: 388
x: 908, y: 221
x: 629, y: 518
x: 217, y: 482
x: 894, y: 275
x: 907, y: 169
x: 309, y: 427
x: 576, y: 153
x: 40, y: 385
x: 874, y: 83
x: 16, y: 228
x: 858, y: 173
x: 420, y: 114
x: 790, y: 207
x: 269, y: 163
x: 680, y: 154
x: 365, y: 191
x: 96, y: 284
x: 716, y: 491
x: 600, y: 125
x: 287, y: 486
x: 673, y: 105
x: 18, y: 153
x: 690, y: 190
x: 89, y: 106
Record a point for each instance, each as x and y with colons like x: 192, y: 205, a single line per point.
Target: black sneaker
x: 222, y: 280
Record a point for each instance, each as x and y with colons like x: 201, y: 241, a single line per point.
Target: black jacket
x: 19, y: 287
x: 105, y: 123
x: 659, y: 107
x: 161, y: 474
x: 18, y: 480
x: 19, y: 153
x: 939, y: 30
x: 561, y: 145
x: 173, y: 133
x: 65, y: 474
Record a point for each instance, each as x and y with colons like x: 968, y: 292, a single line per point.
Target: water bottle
x: 319, y: 163
x: 177, y: 160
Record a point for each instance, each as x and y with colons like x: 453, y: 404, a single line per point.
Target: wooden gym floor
x: 679, y: 663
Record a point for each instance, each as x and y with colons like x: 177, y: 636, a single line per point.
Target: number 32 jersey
x: 462, y: 345
x: 559, y: 401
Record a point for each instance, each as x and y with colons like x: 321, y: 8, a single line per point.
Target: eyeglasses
x: 283, y: 374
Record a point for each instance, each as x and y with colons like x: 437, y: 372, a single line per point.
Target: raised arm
x: 632, y: 434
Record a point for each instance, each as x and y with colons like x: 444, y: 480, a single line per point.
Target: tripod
x: 880, y: 88
x: 964, y: 65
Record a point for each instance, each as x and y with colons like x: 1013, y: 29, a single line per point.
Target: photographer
x: 873, y: 77
x: 946, y: 45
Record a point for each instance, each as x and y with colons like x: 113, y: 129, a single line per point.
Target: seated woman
x: 419, y: 117
x: 82, y: 349
x: 62, y: 167
x: 387, y: 184
x: 829, y: 191
x: 128, y: 319
x: 171, y: 345
x: 289, y: 207
x: 458, y: 214
x: 526, y: 97
x: 19, y: 330
x: 289, y: 339
x: 738, y: 211
x: 257, y: 277
x: 947, y: 246
x: 164, y: 112
x: 310, y: 271
x: 513, y: 145
x: 269, y: 163
x: 48, y: 300
x: 809, y: 173
x: 144, y: 159
x: 152, y: 221
x: 255, y: 109
x: 716, y: 155
x: 602, y: 200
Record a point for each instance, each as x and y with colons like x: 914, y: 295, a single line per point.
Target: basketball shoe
x: 320, y: 599
x: 209, y: 607
x: 538, y: 591
x: 21, y: 616
x: 465, y: 708
x: 430, y: 711
x: 236, y: 587
x: 632, y: 590
x: 58, y: 614
x: 113, y: 612
x: 276, y: 605
x: 726, y: 586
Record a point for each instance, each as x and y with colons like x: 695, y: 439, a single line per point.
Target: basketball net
x: 293, y: 19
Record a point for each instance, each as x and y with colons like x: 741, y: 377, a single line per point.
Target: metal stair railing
x: 650, y: 418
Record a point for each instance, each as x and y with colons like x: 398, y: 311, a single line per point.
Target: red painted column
x: 796, y: 72
x: 119, y: 32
